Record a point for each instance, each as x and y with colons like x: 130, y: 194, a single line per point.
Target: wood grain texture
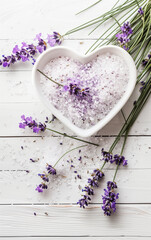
x: 76, y: 238
x: 130, y: 220
x: 58, y: 217
x: 47, y: 17
x: 18, y: 186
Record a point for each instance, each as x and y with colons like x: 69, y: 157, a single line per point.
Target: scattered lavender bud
x: 33, y: 160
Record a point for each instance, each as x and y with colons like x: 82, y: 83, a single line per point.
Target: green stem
x: 78, y: 139
x: 89, y: 7
x: 102, y: 166
x: 59, y: 84
x: 125, y: 138
x: 67, y: 153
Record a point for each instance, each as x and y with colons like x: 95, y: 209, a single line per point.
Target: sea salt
x: 106, y: 76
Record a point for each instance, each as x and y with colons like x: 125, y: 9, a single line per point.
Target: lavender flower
x: 29, y: 122
x: 118, y: 160
x: 83, y: 202
x: 54, y: 38
x: 145, y: 61
x: 123, y: 38
x: 45, y: 177
x: 109, y: 198
x: 97, y: 175
x: 40, y: 187
x: 126, y: 29
x: 27, y: 51
x: 107, y: 157
x: 140, y: 11
x: 50, y: 169
x: 88, y: 190
x: 74, y: 89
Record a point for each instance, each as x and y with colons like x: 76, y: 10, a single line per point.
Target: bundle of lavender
x: 132, y: 31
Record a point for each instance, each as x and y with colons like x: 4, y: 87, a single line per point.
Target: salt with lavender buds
x: 106, y: 78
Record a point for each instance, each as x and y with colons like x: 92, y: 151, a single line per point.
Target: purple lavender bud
x: 93, y: 182
x: 78, y: 176
x: 28, y: 121
x: 54, y: 38
x: 65, y: 87
x: 126, y: 28
x: 140, y: 11
x: 107, y: 157
x: 98, y: 174
x: 44, y: 177
x: 123, y: 38
x: 50, y: 169
x: 88, y: 190
x: 40, y: 187
x: 83, y: 202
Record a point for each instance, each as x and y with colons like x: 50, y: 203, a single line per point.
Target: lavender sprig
x: 32, y: 124
x: 117, y: 159
x: 109, y: 198
x: 45, y: 177
x: 72, y: 88
x: 51, y: 171
x: 28, y: 52
x: 39, y: 127
x: 97, y: 175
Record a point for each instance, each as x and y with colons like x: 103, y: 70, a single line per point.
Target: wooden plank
x: 12, y: 157
x: 76, y: 238
x: 56, y: 15
x: 129, y: 220
x: 18, y: 186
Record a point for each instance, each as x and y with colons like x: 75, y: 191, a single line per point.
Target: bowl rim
x: 130, y: 86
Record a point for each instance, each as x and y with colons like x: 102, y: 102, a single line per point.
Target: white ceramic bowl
x: 46, y: 56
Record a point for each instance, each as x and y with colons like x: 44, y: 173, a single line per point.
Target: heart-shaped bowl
x: 55, y: 52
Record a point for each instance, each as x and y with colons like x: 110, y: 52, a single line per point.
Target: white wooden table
x: 58, y: 217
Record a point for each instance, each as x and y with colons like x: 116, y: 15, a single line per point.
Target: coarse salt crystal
x: 106, y: 76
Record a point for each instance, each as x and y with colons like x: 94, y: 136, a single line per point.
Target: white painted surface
x: 21, y: 20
